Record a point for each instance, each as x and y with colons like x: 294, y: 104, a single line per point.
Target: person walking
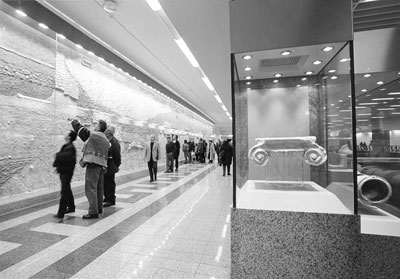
x: 226, y: 155
x: 151, y: 156
x: 113, y: 163
x: 177, y: 151
x: 65, y: 165
x: 186, y: 151
x: 95, y: 155
x: 170, y: 150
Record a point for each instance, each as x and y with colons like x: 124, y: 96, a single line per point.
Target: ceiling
x: 139, y: 33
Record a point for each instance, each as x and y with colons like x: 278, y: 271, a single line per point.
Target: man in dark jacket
x: 226, y: 154
x: 170, y: 150
x: 95, y: 156
x: 65, y: 164
x: 113, y: 163
x: 177, y: 151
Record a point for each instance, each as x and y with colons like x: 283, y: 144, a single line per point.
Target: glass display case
x: 293, y: 129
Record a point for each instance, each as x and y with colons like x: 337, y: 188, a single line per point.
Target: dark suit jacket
x: 114, y: 156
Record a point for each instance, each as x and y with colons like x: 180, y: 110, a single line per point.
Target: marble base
x: 380, y: 257
x: 283, y: 244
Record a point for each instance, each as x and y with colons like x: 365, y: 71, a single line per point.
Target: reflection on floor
x: 177, y: 227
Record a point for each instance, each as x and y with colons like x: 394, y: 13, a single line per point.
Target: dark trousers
x: 170, y: 162
x: 188, y: 158
x: 224, y: 167
x: 176, y: 160
x: 152, y: 169
x: 94, y: 187
x: 109, y: 187
x: 67, y: 198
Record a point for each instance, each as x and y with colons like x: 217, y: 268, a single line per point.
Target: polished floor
x: 178, y: 227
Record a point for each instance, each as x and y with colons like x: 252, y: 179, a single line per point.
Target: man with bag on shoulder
x: 95, y: 155
x: 151, y: 156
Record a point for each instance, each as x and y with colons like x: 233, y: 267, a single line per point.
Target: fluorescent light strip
x: 394, y: 93
x: 154, y: 5
x: 363, y: 114
x: 385, y: 109
x: 382, y: 99
x: 186, y: 51
x: 366, y: 104
x: 208, y: 83
x: 218, y: 99
x: 395, y: 105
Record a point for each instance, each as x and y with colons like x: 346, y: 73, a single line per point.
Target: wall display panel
x: 46, y: 80
x: 282, y: 126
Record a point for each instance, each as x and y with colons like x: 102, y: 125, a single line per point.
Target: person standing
x: 177, y: 151
x: 65, y: 164
x: 201, y: 151
x: 113, y: 163
x: 170, y: 150
x: 210, y: 152
x: 95, y: 155
x: 151, y: 156
x: 186, y: 151
x: 226, y: 155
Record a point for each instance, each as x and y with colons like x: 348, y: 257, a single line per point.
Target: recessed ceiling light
x: 247, y: 57
x: 278, y: 75
x: 247, y: 69
x: 380, y: 82
x: 394, y: 93
x: 304, y: 78
x: 331, y: 71
x: 334, y: 77
x: 276, y: 80
x: 44, y: 26
x: 298, y: 85
x: 61, y: 36
x: 367, y: 75
x: 248, y: 88
x: 101, y: 58
x: 79, y: 46
x: 317, y: 62
x: 286, y: 52
x: 364, y: 90
x: 248, y: 77
x: 90, y: 53
x: 21, y: 13
x: 309, y: 72
x: 324, y: 77
x: 248, y: 83
x: 398, y: 73
x: 344, y: 59
x: 382, y: 89
x: 328, y: 48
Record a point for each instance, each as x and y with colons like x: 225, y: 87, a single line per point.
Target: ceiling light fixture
x: 248, y: 83
x: 364, y: 90
x: 286, y: 52
x: 276, y: 80
x: 334, y: 77
x: 78, y: 46
x: 332, y: 71
x: 247, y: 57
x: 154, y: 5
x: 208, y: 83
x: 367, y: 75
x: 380, y: 82
x: 298, y: 85
x: 278, y: 75
x: 247, y: 69
x: 248, y: 77
x: 382, y: 89
x: 309, y: 72
x: 382, y: 99
x: 90, y: 52
x: 61, y: 36
x: 394, y: 93
x: 304, y: 79
x: 344, y: 60
x: 385, y: 109
x: 44, y: 26
x: 186, y: 51
x: 110, y: 6
x: 328, y: 48
x: 21, y: 13
x: 317, y: 62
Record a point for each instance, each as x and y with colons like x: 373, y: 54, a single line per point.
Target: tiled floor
x: 178, y: 227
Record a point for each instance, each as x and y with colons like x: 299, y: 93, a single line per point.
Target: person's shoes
x: 90, y: 216
x: 69, y: 211
x: 229, y: 174
x: 151, y: 180
x: 58, y: 216
x: 108, y: 204
x: 223, y: 174
x: 155, y: 178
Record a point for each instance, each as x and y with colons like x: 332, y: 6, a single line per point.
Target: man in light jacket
x: 151, y: 156
x: 95, y: 155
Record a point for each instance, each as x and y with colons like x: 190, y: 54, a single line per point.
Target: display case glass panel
x: 293, y: 151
